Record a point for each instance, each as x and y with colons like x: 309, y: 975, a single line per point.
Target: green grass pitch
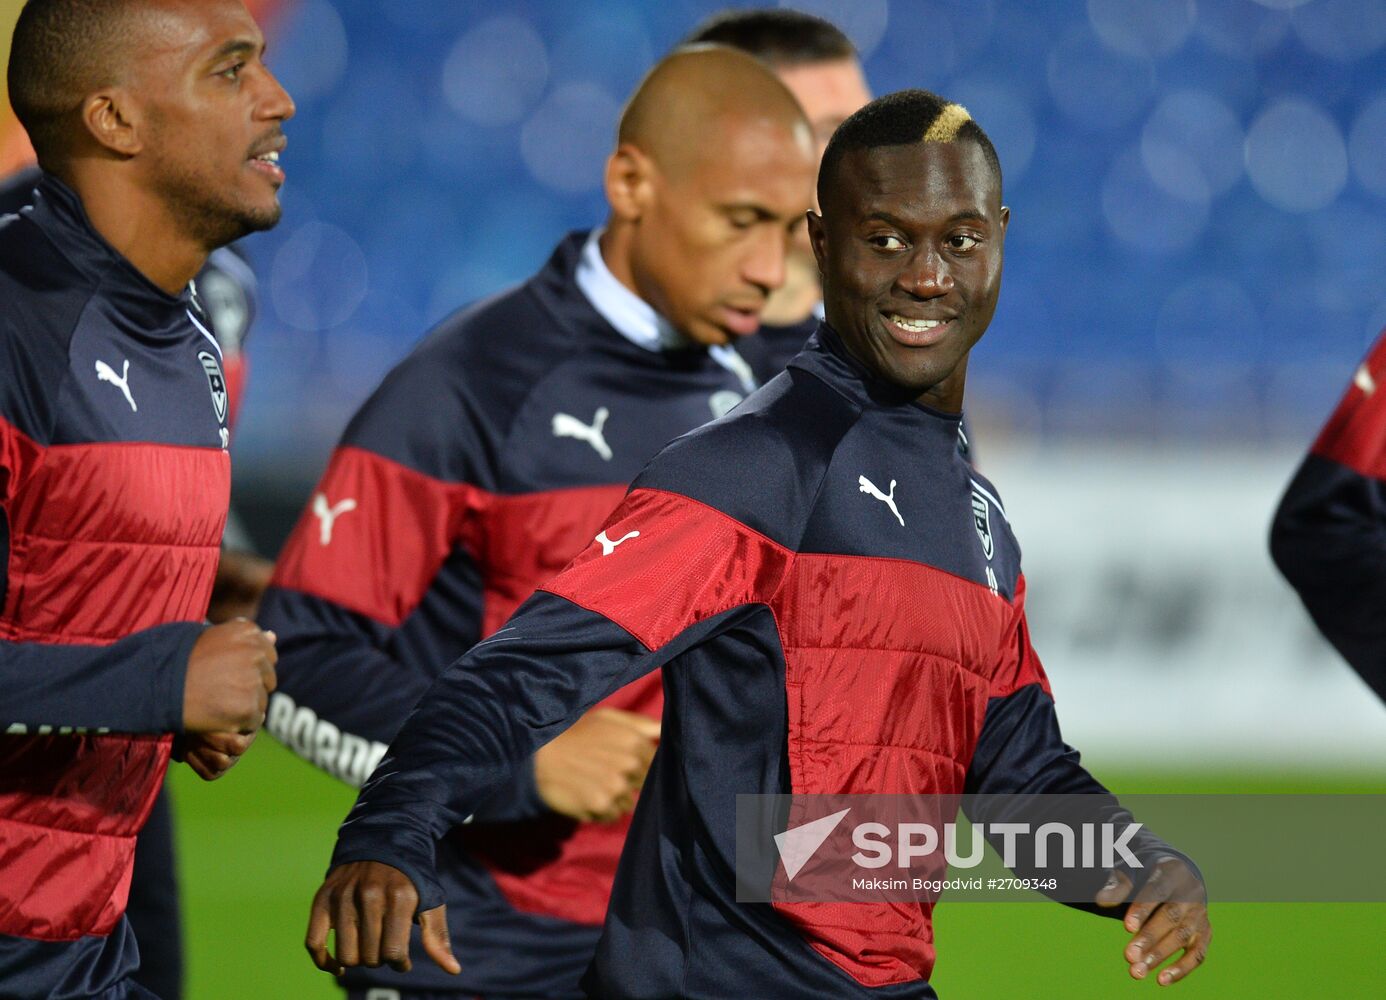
x: 253, y: 847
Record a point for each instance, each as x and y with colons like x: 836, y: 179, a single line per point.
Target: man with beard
x: 158, y: 129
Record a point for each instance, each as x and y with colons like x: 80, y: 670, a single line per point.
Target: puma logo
x: 105, y: 373
x: 1364, y: 381
x: 566, y: 425
x: 608, y: 546
x: 867, y: 486
x: 327, y: 516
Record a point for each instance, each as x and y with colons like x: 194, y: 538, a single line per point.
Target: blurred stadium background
x: 1195, y: 266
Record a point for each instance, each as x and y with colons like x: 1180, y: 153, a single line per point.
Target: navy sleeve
x: 489, y: 712
x: 665, y: 574
x: 1329, y: 533
x: 1021, y: 753
x: 342, y: 696
x: 132, y: 686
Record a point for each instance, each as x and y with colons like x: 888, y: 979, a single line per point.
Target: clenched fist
x: 230, y: 677
x: 593, y: 770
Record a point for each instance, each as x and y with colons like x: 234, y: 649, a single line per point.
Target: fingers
x: 642, y: 724
x: 1116, y: 891
x: 228, y: 744
x: 1186, y: 933
x: 344, y: 919
x: 1156, y: 890
x: 1192, y: 958
x: 270, y: 658
x: 319, y: 923
x: 370, y: 905
x: 433, y: 925
x: 400, y: 903
x: 1169, y: 915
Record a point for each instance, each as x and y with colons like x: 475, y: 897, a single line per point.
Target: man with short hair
x: 491, y: 456
x: 820, y: 66
x: 225, y: 289
x: 836, y: 601
x: 158, y: 129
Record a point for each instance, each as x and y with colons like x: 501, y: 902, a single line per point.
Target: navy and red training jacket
x: 481, y: 466
x: 114, y: 483
x: 836, y: 600
x: 1329, y: 533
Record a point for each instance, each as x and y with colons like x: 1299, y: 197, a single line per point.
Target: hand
x: 213, y: 754
x: 230, y: 676
x: 593, y: 770
x: 241, y: 580
x: 371, y: 906
x: 1169, y: 915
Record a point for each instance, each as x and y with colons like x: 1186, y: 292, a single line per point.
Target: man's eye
x: 232, y: 72
x: 962, y: 242
x: 885, y: 241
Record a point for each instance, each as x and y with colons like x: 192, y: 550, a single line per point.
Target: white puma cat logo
x: 565, y: 425
x: 327, y: 516
x: 1364, y: 380
x: 105, y: 373
x: 867, y: 486
x: 608, y: 546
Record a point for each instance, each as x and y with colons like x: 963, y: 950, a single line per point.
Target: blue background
x: 1197, y: 188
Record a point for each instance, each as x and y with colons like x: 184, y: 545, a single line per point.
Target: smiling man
x: 490, y: 457
x: 157, y: 127
x: 836, y: 600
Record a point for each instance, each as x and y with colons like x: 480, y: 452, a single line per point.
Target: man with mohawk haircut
x: 836, y: 600
x: 488, y: 459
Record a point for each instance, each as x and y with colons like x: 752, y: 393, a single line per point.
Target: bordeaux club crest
x: 216, y: 382
x: 981, y: 520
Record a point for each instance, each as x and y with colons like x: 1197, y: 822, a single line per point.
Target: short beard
x: 211, y: 220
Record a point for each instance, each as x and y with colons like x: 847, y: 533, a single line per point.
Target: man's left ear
x: 1005, y: 218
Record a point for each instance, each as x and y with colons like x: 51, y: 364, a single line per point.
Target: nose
x: 764, y: 263
x: 927, y: 275
x: 275, y: 103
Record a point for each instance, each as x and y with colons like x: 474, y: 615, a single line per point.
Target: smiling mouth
x: 267, y: 163
x: 917, y: 332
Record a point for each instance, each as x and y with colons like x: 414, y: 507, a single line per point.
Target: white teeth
x: 269, y: 157
x: 915, y: 325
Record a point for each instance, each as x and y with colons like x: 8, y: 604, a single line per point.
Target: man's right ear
x: 629, y: 182
x: 110, y: 119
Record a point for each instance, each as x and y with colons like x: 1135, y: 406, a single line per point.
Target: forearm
x: 132, y: 686
x: 341, y: 696
x: 1023, y: 772
x: 483, y: 718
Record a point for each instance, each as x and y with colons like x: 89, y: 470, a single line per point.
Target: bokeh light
x: 1147, y: 28
x: 1096, y: 86
x: 496, y: 71
x: 1201, y: 127
x: 1157, y: 212
x: 318, y: 277
x: 569, y: 137
x: 1367, y: 146
x: 1295, y: 156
